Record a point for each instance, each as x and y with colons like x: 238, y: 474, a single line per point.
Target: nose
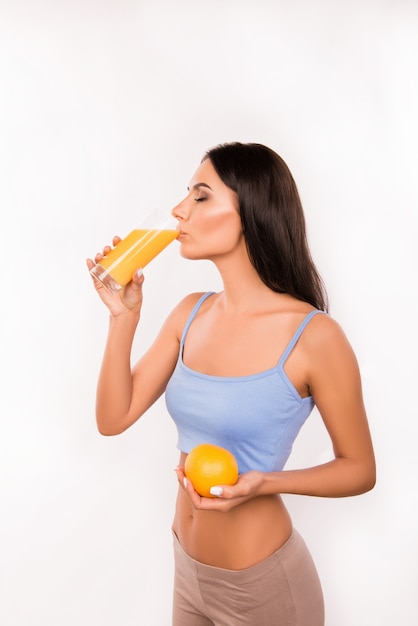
x: 180, y: 211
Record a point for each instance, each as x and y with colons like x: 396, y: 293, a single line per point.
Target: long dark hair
x: 272, y: 219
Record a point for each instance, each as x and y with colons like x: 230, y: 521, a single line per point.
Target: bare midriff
x: 236, y: 539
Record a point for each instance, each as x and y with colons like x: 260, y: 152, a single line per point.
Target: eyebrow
x: 199, y: 185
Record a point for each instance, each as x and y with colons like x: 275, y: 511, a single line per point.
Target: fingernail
x: 216, y: 491
x: 139, y: 273
x: 185, y: 482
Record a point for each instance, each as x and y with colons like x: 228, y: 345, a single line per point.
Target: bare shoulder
x: 324, y: 332
x: 179, y: 315
x: 168, y: 339
x: 328, y: 350
x: 185, y: 306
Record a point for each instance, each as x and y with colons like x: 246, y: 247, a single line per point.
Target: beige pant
x: 282, y: 590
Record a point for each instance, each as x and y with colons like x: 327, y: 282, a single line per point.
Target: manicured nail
x: 185, y: 482
x: 216, y: 491
x: 139, y: 273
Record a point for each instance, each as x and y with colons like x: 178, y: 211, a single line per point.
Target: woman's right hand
x: 129, y: 298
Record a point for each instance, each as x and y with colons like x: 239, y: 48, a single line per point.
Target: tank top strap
x: 193, y: 315
x: 297, y: 334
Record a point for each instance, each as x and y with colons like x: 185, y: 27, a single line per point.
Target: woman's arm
x: 125, y: 393
x: 335, y: 384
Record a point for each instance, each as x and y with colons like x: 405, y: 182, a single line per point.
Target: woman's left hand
x: 226, y: 497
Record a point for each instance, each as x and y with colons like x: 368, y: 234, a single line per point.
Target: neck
x: 243, y: 289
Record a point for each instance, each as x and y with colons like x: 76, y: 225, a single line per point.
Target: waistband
x: 279, y: 556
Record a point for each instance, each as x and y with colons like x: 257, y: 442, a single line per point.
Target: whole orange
x: 208, y: 465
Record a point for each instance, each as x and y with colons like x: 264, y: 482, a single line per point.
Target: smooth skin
x: 246, y: 522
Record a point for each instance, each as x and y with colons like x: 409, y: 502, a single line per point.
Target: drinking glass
x: 136, y: 250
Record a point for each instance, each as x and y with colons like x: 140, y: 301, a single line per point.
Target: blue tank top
x: 256, y: 417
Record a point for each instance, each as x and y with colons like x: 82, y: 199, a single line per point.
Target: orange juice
x: 136, y: 250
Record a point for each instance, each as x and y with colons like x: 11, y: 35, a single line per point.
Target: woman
x: 243, y: 369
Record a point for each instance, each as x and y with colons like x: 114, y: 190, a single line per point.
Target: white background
x: 106, y: 108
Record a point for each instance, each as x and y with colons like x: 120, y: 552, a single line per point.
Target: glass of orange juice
x: 137, y: 249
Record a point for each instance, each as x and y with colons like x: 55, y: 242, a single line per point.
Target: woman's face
x: 210, y: 225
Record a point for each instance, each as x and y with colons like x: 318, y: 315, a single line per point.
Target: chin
x: 189, y: 254
x: 192, y: 257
